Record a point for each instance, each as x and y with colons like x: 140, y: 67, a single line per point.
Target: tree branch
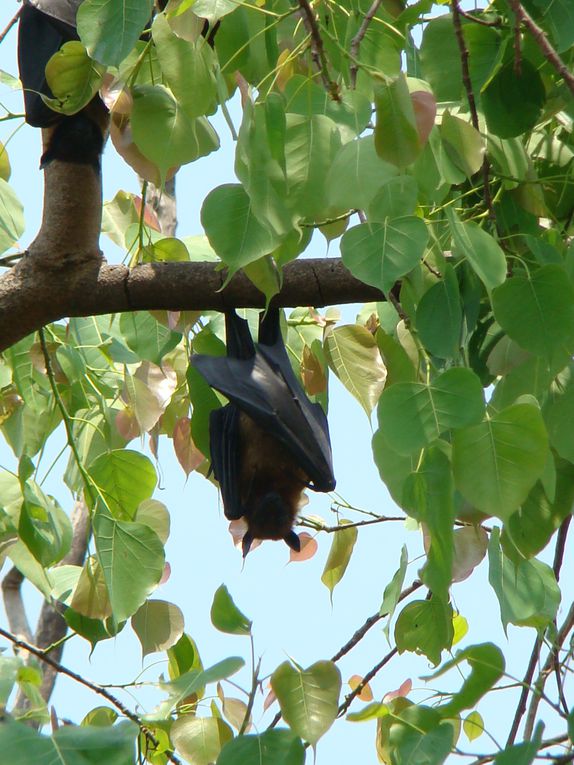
x: 37, y: 294
x: 357, y: 40
x: 40, y: 654
x: 542, y: 41
x: 317, y: 50
x: 14, y: 605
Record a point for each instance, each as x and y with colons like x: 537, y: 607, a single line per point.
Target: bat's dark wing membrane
x: 264, y: 386
x: 224, y: 449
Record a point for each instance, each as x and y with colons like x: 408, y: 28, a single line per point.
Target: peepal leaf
x: 274, y: 747
x: 353, y: 355
x: 497, y: 462
x: 308, y: 698
x: 123, y: 549
x: 413, y: 415
x: 109, y: 30
x: 195, y: 680
x: 425, y: 627
x: 380, y: 253
x: 125, y: 478
x: 225, y: 616
x: 481, y: 250
x: 200, y: 739
x: 158, y: 625
x: 487, y: 667
x: 339, y: 556
x: 537, y: 312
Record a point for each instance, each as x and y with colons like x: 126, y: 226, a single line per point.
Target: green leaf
x: 226, y: 617
x: 524, y: 753
x: 512, y: 101
x: 353, y: 355
x: 527, y: 593
x: 419, y: 736
x: 339, y: 556
x: 188, y: 68
x: 183, y: 657
x: 430, y: 496
x: 396, y: 137
x: 439, y: 317
x: 380, y: 253
x: 274, y: 747
x: 537, y: 312
x: 212, y: 10
x: 110, y: 29
x: 497, y: 462
x: 487, y: 666
x: 154, y: 514
x: 124, y: 547
x: 73, y: 77
x: 482, y: 252
x: 394, y: 468
x: 356, y: 175
x: 9, y: 666
x: 44, y: 527
x: 184, y: 139
x: 425, y: 627
x: 396, y: 197
x: 146, y: 336
x: 11, y: 217
x: 413, y: 415
x: 200, y: 739
x: 473, y: 726
x: 558, y: 18
x: 393, y: 591
x: 233, y: 231
x: 125, y: 478
x: 194, y: 681
x: 463, y: 144
x: 158, y: 625
x: 69, y: 745
x: 308, y: 698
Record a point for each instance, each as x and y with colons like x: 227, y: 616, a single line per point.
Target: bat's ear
x: 292, y: 539
x: 246, y: 543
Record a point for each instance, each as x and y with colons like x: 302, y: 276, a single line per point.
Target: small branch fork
x: 543, y: 43
x: 357, y: 637
x: 317, y: 49
x: 41, y: 654
x: 358, y: 39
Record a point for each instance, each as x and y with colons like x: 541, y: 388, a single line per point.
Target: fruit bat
x: 45, y: 25
x: 270, y: 442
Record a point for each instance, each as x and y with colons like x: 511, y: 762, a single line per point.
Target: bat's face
x: 272, y: 518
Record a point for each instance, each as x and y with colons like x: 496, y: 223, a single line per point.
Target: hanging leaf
x: 339, y: 556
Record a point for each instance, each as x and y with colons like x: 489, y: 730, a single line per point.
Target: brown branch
x: 14, y: 604
x: 358, y: 39
x: 10, y: 24
x: 464, y: 57
x: 546, y: 671
x: 357, y: 524
x: 543, y: 43
x: 367, y: 679
x: 478, y: 20
x: 358, y: 636
x: 317, y: 49
x: 38, y: 294
x: 526, y: 688
x: 41, y: 654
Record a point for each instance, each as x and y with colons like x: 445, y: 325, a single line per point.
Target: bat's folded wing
x: 224, y: 449
x: 277, y: 403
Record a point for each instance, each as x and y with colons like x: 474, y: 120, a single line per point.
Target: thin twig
x: 41, y: 654
x: 558, y: 560
x: 456, y: 20
x: 546, y: 670
x: 367, y: 679
x: 317, y: 49
x: 357, y: 40
x: 478, y: 20
x: 543, y: 43
x: 526, y: 688
x: 10, y: 24
x: 332, y: 529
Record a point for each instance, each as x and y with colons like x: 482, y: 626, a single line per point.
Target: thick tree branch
x: 32, y: 294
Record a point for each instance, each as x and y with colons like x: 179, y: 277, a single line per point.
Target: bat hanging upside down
x: 270, y: 442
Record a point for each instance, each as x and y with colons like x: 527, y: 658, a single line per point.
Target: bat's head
x: 272, y: 518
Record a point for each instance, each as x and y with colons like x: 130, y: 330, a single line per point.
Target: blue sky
x: 290, y: 607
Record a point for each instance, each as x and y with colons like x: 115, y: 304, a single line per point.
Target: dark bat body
x: 45, y: 25
x: 270, y: 442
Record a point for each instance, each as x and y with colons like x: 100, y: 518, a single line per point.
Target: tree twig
x: 357, y: 40
x: 456, y: 20
x: 332, y: 529
x: 14, y: 604
x: 317, y: 49
x: 526, y: 688
x: 543, y: 43
x: 10, y: 24
x: 366, y: 679
x: 41, y: 654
